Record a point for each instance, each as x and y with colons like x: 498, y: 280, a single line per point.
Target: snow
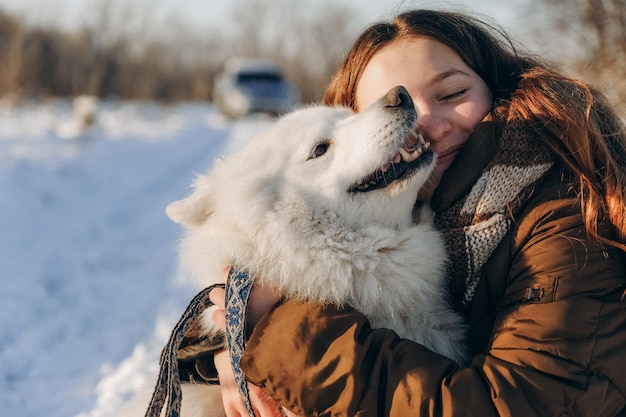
x: 88, y: 259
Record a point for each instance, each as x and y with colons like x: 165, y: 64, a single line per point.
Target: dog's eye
x: 319, y: 149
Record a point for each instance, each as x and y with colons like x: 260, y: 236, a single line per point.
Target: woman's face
x: 450, y: 98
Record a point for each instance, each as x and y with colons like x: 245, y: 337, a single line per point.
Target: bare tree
x: 12, y: 33
x: 121, y: 50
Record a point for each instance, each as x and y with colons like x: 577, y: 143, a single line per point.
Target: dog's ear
x: 195, y: 209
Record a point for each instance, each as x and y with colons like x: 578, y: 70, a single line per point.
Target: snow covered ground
x: 90, y: 285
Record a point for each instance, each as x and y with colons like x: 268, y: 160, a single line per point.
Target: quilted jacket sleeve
x: 556, y: 348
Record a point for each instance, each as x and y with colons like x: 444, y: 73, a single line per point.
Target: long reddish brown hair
x: 574, y: 120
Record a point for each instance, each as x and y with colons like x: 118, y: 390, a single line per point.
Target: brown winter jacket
x: 547, y: 329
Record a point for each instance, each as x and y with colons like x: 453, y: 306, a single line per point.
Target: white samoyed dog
x: 320, y: 207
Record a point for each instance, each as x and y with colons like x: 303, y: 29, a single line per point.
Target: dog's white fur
x: 290, y: 220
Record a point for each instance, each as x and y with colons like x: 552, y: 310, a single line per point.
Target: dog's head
x: 366, y: 167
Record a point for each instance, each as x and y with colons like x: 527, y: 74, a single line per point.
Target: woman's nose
x: 433, y: 127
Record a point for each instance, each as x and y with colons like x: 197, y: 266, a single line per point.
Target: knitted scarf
x: 476, y: 224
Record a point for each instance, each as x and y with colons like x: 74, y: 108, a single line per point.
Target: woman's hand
x: 261, y: 300
x: 262, y: 404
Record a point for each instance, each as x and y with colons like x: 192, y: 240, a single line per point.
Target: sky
x: 199, y: 13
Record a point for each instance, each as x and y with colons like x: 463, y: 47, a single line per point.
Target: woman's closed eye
x: 454, y: 95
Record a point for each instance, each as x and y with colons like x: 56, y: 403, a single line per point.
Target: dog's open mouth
x: 414, y: 153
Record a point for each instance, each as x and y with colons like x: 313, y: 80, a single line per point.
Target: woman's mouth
x: 446, y: 158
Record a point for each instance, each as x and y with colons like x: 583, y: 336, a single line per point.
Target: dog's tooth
x: 426, y: 145
x: 405, y: 155
x: 420, y: 139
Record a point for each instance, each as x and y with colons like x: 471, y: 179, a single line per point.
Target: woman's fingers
x: 217, y: 315
x: 233, y: 404
x: 263, y: 405
x: 262, y: 298
x: 219, y: 318
x: 217, y: 297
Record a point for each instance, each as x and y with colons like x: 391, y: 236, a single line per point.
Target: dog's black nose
x: 397, y: 97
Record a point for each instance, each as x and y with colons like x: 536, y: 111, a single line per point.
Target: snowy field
x: 88, y: 259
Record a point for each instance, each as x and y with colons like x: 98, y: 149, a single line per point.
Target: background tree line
x: 121, y: 51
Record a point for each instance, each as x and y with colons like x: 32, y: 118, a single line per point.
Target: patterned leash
x: 238, y: 286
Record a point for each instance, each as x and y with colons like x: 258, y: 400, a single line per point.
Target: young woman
x: 529, y: 192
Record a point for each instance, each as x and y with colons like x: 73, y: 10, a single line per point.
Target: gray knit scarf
x: 475, y: 225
